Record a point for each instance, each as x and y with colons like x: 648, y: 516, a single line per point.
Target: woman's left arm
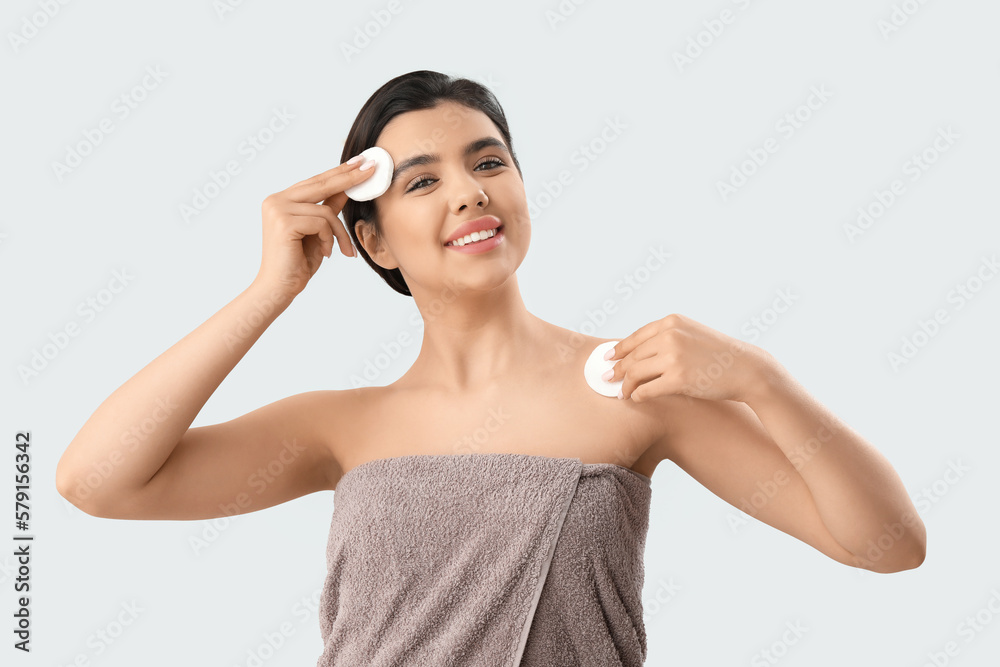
x: 858, y: 494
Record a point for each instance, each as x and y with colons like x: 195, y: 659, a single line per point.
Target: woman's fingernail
x: 368, y: 165
x: 608, y: 375
x: 356, y: 158
x: 620, y: 394
x: 610, y: 353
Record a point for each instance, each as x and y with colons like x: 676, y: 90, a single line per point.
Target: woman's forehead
x: 446, y: 128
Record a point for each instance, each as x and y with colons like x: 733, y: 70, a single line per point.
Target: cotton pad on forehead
x: 377, y: 183
x: 596, y: 366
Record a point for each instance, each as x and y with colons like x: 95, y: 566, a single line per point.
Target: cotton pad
x: 597, y: 365
x: 377, y: 183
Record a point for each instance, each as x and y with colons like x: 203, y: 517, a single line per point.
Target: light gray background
x: 714, y: 595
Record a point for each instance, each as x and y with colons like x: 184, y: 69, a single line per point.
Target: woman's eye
x: 416, y: 185
x: 492, y: 160
x: 495, y: 161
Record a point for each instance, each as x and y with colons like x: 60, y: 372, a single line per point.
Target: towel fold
x: 485, y: 559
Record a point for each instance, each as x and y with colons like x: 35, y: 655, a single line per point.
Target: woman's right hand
x: 299, y: 231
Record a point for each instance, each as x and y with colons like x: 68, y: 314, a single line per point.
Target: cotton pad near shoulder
x: 377, y: 183
x: 597, y: 365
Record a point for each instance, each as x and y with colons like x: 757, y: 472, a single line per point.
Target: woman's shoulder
x: 570, y: 341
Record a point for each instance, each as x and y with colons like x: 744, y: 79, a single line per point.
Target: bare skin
x: 137, y: 458
x: 489, y: 377
x: 481, y: 348
x: 545, y: 409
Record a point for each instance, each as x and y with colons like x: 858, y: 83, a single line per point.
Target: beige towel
x: 485, y: 559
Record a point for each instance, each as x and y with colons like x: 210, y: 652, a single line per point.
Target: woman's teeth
x: 474, y: 236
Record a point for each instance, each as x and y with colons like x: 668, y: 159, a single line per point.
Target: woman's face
x: 446, y: 186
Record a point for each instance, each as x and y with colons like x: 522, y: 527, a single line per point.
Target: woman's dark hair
x: 422, y: 89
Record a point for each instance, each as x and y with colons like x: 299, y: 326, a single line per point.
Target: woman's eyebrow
x: 472, y: 147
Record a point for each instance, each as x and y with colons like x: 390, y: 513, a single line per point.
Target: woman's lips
x: 479, y: 247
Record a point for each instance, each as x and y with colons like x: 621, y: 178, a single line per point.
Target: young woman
x: 523, y: 544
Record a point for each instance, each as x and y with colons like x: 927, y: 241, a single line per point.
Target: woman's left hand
x: 677, y: 355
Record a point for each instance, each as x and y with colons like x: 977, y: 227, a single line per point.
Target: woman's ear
x: 371, y: 242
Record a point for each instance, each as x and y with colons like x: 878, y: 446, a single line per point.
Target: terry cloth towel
x: 492, y: 559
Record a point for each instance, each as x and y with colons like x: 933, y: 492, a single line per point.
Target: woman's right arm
x: 137, y: 455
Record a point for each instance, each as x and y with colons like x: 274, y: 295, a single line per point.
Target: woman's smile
x: 485, y: 242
